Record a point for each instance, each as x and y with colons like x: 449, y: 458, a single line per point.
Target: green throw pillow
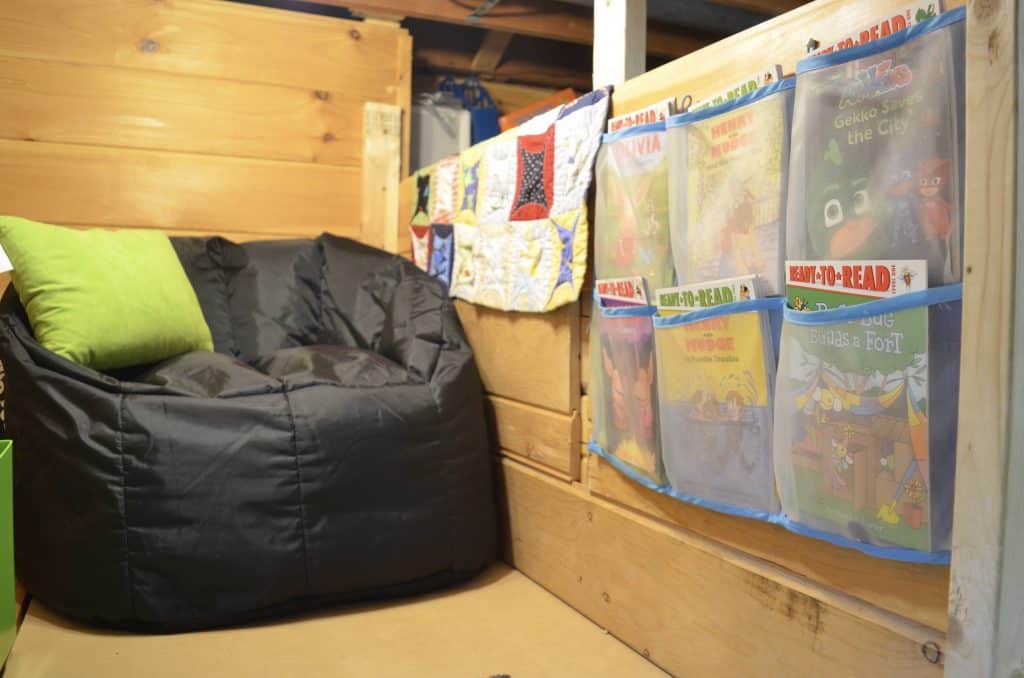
x: 104, y: 299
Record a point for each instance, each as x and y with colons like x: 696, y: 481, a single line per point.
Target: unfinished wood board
x: 781, y: 40
x: 224, y: 40
x: 917, y: 592
x: 682, y: 602
x: 586, y: 417
x: 986, y: 598
x: 584, y: 352
x: 548, y: 438
x: 529, y: 357
x: 498, y: 623
x: 536, y: 466
x: 382, y: 161
x: 63, y: 183
x: 404, y: 99
x: 104, y: 106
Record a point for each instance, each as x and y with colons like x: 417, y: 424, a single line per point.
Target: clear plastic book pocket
x: 877, y: 151
x: 727, y: 168
x: 631, y: 210
x: 716, y: 371
x: 625, y: 400
x: 865, y: 423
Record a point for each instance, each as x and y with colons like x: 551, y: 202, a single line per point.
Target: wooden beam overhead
x: 512, y: 70
x: 488, y: 57
x: 537, y: 18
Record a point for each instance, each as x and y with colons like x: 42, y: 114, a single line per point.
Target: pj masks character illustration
x: 843, y: 212
x: 934, y: 210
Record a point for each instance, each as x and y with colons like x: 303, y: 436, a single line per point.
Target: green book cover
x: 857, y: 394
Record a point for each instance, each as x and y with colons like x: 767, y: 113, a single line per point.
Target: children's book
x: 615, y: 292
x: 631, y: 222
x: 856, y: 393
x: 734, y: 186
x: 899, y: 20
x: 876, y: 144
x: 656, y: 112
x: 715, y: 390
x: 745, y: 86
x: 623, y: 382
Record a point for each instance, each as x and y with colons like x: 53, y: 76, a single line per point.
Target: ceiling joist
x: 488, y: 57
x: 536, y: 18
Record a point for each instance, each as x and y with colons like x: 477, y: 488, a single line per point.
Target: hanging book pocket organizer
x: 865, y: 423
x: 727, y: 172
x: 877, y: 151
x: 631, y: 210
x: 716, y: 373
x: 625, y: 391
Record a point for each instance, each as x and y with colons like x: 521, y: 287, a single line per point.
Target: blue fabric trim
x: 766, y: 304
x: 626, y: 311
x: 780, y: 519
x: 882, y: 44
x: 902, y: 302
x: 887, y: 552
x: 610, y: 137
x: 732, y: 104
x: 623, y: 311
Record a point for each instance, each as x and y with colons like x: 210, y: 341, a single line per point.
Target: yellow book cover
x: 714, y: 385
x: 734, y: 195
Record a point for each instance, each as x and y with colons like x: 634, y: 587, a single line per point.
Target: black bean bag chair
x: 332, y: 448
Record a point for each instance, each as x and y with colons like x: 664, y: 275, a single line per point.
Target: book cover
x: 734, y: 186
x: 613, y: 292
x: 631, y: 225
x: 745, y: 86
x: 857, y: 395
x: 881, y: 168
x: 899, y: 20
x: 714, y: 385
x: 656, y: 112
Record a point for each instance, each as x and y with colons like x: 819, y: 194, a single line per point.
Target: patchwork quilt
x: 504, y: 223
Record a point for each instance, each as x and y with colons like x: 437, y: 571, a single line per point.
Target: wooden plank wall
x: 697, y: 592
x: 191, y: 116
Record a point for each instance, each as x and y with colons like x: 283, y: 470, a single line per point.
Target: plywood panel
x: 529, y: 357
x: 104, y: 106
x: 914, y: 591
x: 781, y: 40
x: 381, y: 165
x: 548, y: 438
x: 101, y: 186
x: 212, y: 39
x: 584, y: 352
x: 498, y: 623
x: 691, y: 608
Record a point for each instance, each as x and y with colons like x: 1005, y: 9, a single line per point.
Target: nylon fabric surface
x: 332, y: 449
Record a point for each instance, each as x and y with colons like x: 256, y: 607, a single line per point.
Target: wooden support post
x: 986, y: 604
x: 488, y: 57
x: 382, y: 160
x: 620, y: 40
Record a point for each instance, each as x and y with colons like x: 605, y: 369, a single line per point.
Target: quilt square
x: 444, y: 188
x: 421, y: 235
x: 442, y: 247
x: 494, y: 197
x: 531, y: 267
x: 471, y: 168
x: 421, y: 207
x: 535, y: 171
x: 489, y: 257
x: 578, y: 123
x: 464, y: 262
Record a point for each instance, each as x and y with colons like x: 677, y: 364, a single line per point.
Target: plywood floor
x: 499, y: 623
